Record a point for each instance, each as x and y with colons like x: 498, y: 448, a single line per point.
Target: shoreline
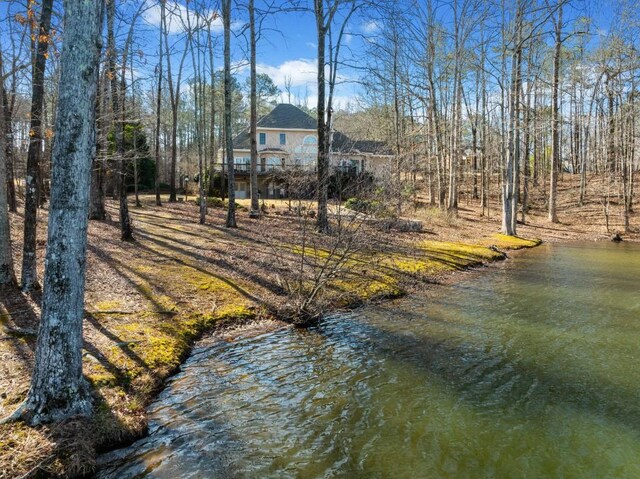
x: 229, y: 330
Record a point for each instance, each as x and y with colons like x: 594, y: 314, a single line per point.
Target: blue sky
x: 287, y: 48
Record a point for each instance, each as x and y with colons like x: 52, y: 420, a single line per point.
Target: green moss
x: 107, y: 305
x: 233, y: 311
x: 512, y: 242
x: 103, y: 380
x: 462, y: 254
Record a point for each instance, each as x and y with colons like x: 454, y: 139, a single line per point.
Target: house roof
x: 285, y: 116
x: 290, y: 117
x: 343, y: 144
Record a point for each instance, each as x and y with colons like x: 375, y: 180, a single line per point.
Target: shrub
x: 362, y: 205
x: 215, y: 202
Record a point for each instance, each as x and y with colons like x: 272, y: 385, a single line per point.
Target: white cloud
x: 177, y: 17
x: 371, y: 27
x: 340, y: 102
x: 300, y: 72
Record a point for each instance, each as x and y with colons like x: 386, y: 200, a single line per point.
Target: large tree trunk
x: 7, y: 274
x: 322, y: 222
x: 231, y: 209
x: 29, y: 267
x: 58, y: 389
x: 255, y: 206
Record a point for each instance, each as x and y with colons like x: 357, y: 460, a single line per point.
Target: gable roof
x: 343, y: 144
x: 285, y: 116
x: 290, y: 117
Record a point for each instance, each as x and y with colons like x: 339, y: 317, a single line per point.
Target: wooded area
x: 506, y: 109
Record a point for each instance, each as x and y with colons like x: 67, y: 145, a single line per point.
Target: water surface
x: 527, y: 370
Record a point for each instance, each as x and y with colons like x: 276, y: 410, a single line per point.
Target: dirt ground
x: 147, y: 301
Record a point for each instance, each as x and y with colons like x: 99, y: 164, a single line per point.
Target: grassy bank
x: 147, y: 302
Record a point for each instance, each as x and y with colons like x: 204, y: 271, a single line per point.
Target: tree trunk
x: 212, y: 127
x: 255, y: 205
x: 6, y: 126
x: 29, y: 267
x: 156, y: 182
x: 510, y: 174
x: 7, y: 274
x: 555, y: 120
x: 231, y: 209
x: 58, y: 389
x: 322, y: 221
x: 198, y: 117
x: 117, y: 99
x: 97, y: 209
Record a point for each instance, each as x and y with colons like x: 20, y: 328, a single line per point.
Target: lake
x: 529, y: 368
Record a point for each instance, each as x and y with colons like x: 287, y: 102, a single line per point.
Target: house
x: 288, y: 142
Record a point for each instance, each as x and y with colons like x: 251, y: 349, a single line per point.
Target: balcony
x: 245, y: 169
x: 266, y: 169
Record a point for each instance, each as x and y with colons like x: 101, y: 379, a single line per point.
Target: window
x: 283, y: 138
x: 310, y: 140
x: 263, y: 138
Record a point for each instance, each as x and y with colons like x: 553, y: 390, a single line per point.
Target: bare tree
x: 118, y: 108
x: 159, y: 106
x: 29, y: 280
x: 7, y: 274
x: 555, y: 120
x: 231, y: 209
x: 97, y: 210
x: 510, y: 173
x: 58, y: 389
x: 174, y: 96
x: 8, y: 131
x: 324, y: 25
x: 255, y: 206
x: 194, y: 45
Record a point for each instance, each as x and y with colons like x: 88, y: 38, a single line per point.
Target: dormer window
x: 283, y: 138
x: 263, y: 138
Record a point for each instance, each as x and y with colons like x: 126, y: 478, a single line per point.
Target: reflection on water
x: 527, y: 370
